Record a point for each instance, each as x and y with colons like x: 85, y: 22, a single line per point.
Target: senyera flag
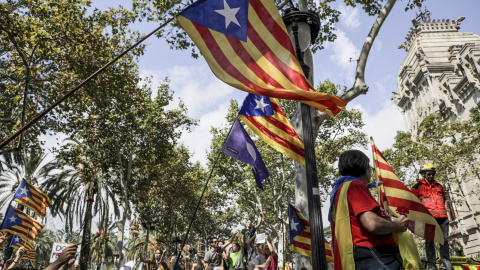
x: 246, y: 44
x: 266, y: 118
x: 394, y: 194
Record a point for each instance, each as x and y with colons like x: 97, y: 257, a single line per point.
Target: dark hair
x: 353, y: 163
x: 237, y: 245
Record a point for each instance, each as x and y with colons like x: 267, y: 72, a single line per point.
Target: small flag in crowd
x: 300, y: 241
x: 32, y: 198
x: 18, y: 223
x: 393, y: 194
x: 17, y: 242
x: 247, y: 46
x: 241, y: 147
x: 266, y: 118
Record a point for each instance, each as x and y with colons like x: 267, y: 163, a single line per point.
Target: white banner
x: 57, y: 250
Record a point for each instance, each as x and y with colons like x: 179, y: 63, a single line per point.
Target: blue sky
x: 207, y: 98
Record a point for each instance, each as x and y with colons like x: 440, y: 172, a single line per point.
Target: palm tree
x: 103, y: 245
x: 83, y: 192
x: 34, y: 166
x: 44, y: 242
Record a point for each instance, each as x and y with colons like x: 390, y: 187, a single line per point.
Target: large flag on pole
x: 241, y: 147
x: 393, y: 194
x: 266, y: 118
x: 32, y: 198
x: 300, y: 241
x: 246, y: 44
x: 18, y: 223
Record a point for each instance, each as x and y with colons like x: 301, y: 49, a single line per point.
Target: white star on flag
x: 261, y: 104
x: 24, y: 190
x: 294, y: 225
x: 229, y: 14
x: 12, y: 219
x: 16, y: 239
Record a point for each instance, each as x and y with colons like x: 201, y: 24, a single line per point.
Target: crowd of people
x: 241, y: 251
x: 361, y: 229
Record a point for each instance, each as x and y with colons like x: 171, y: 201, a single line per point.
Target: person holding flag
x: 361, y: 228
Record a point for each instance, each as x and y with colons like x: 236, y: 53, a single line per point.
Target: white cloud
x: 382, y: 125
x: 344, y: 55
x: 194, y: 85
x: 349, y: 16
x: 199, y: 140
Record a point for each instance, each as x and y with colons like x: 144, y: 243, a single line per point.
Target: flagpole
x: 71, y: 92
x: 200, y: 200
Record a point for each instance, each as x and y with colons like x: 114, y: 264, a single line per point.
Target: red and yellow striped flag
x: 32, y: 198
x: 393, y: 194
x: 248, y: 47
x: 266, y: 118
x: 27, y: 229
x: 300, y: 241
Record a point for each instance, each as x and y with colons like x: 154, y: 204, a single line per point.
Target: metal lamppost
x: 177, y: 242
x: 148, y: 226
x: 303, y: 28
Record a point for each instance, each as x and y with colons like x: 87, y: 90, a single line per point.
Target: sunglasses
x: 430, y: 174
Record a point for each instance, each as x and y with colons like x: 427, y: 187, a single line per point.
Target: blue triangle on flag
x: 255, y: 105
x: 295, y: 224
x: 229, y: 17
x: 10, y: 219
x: 23, y: 190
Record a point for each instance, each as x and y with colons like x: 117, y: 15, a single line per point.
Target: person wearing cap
x: 433, y: 197
x: 361, y: 228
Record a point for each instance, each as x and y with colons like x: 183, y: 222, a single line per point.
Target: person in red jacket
x: 432, y: 196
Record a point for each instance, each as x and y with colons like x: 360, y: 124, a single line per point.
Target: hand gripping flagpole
x: 71, y: 92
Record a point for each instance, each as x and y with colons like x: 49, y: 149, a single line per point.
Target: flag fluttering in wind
x: 17, y: 242
x: 18, y: 223
x: 300, y: 241
x: 246, y: 44
x: 394, y: 194
x: 266, y: 118
x: 241, y: 147
x: 32, y: 198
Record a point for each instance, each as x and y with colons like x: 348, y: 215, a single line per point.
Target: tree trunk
x: 359, y: 87
x: 126, y: 211
x: 86, y: 237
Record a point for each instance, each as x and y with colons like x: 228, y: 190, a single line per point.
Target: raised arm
x: 260, y: 219
x: 270, y: 246
x: 18, y: 257
x: 141, y: 257
x: 67, y: 254
x: 230, y: 240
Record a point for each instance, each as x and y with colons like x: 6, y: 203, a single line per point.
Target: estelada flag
x: 393, y: 194
x: 246, y: 44
x: 265, y: 117
x: 300, y: 241
x: 18, y: 223
x: 32, y: 198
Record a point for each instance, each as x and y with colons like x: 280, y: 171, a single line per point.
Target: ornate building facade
x: 441, y: 74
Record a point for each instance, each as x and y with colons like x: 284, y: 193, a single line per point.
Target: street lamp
x: 148, y: 226
x: 303, y: 27
x: 177, y: 241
